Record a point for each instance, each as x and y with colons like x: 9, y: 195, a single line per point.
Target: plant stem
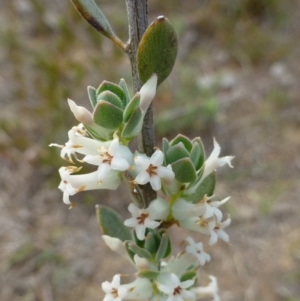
x: 138, y: 23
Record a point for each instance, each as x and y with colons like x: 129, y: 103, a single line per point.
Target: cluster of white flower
x: 156, y: 280
x: 111, y: 159
x: 167, y: 285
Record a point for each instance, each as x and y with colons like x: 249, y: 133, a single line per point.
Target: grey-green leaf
x: 132, y: 105
x: 183, y: 139
x: 133, y: 127
x: 151, y: 242
x: 157, y: 50
x: 113, y: 88
x: 93, y: 15
x: 112, y: 224
x: 107, y: 115
x: 207, y: 187
x: 184, y: 170
x: 163, y: 247
x: 139, y: 251
x: 110, y: 97
x: 124, y: 88
x: 149, y: 274
x: 176, y: 152
x: 92, y: 95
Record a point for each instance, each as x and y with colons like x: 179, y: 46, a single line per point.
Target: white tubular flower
x: 182, y: 209
x: 114, y: 290
x: 205, y: 226
x: 176, y: 290
x: 141, y: 263
x: 114, y: 157
x: 140, y: 289
x: 180, y: 264
x: 80, y: 144
x: 116, y: 245
x: 147, y: 93
x: 159, y: 209
x: 208, y: 291
x: 213, y: 161
x: 219, y: 232
x: 215, y: 211
x: 197, y: 250
x: 151, y: 170
x: 141, y: 219
x: 71, y: 184
x: 81, y: 114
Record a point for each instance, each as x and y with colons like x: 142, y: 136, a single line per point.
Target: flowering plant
x: 181, y: 172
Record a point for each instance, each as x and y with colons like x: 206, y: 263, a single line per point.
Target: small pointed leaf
x: 124, y: 88
x: 112, y: 224
x: 184, y: 170
x: 169, y: 247
x: 99, y: 133
x: 110, y: 97
x: 139, y: 251
x: 107, y: 115
x: 207, y: 187
x: 113, y: 88
x: 132, y: 105
x: 157, y: 50
x: 165, y: 147
x: 93, y: 15
x: 134, y: 126
x: 196, y: 156
x: 151, y: 243
x: 163, y: 247
x: 176, y: 153
x: 202, y: 151
x: 185, y: 140
x: 190, y: 275
x: 129, y: 251
x: 92, y: 95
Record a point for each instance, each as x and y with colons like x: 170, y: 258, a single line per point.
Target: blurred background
x: 236, y: 79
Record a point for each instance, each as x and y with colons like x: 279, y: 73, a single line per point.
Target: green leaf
x: 169, y: 248
x: 184, y: 170
x: 202, y: 151
x: 94, y: 16
x: 185, y: 140
x: 190, y: 275
x: 207, y: 187
x: 157, y: 50
x: 151, y: 243
x: 129, y: 251
x: 124, y: 88
x: 107, y: 115
x: 165, y: 147
x: 110, y: 97
x: 163, y: 247
x: 112, y: 224
x: 149, y: 274
x: 132, y: 105
x: 139, y: 251
x: 113, y: 88
x: 99, y: 133
x: 134, y: 126
x: 176, y: 152
x: 196, y: 156
x: 138, y: 242
x: 92, y: 95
